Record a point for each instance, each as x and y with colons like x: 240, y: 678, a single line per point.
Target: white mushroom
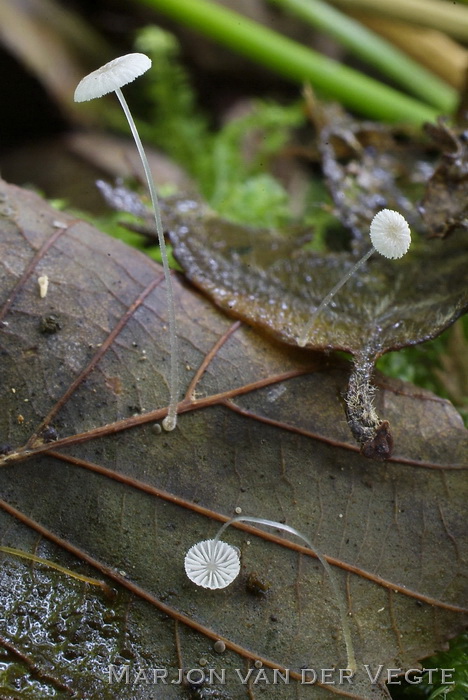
x: 215, y: 564
x: 390, y: 236
x: 110, y: 78
x: 212, y: 564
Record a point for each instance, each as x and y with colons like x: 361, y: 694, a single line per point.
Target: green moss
x: 230, y: 165
x: 456, y: 658
x: 422, y: 365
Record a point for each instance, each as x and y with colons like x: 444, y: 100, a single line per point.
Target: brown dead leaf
x: 444, y: 207
x: 260, y: 428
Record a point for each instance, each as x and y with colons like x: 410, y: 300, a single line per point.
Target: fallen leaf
x: 261, y: 429
x: 259, y: 277
x: 274, y: 283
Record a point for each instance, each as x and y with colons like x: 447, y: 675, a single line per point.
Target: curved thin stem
x: 170, y: 421
x: 304, y: 337
x: 351, y: 660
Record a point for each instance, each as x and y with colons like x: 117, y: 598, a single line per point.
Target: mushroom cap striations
x: 390, y: 234
x: 212, y: 564
x: 111, y: 76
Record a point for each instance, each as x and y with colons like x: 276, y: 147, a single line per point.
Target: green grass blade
x: 296, y: 62
x: 380, y: 53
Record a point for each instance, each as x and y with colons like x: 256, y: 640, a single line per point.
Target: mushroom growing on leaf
x: 390, y: 236
x: 212, y: 564
x: 215, y: 564
x: 110, y: 78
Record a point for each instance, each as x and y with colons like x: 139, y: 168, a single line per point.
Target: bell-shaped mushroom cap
x: 212, y: 564
x: 390, y: 234
x: 111, y: 76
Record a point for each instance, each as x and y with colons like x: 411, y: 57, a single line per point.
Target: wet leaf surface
x: 275, y: 284
x: 261, y: 428
x: 259, y: 277
x: 255, y: 276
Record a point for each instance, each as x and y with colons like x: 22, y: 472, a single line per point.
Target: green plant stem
x: 351, y: 659
x: 296, y: 62
x: 170, y: 421
x: 57, y: 567
x: 449, y: 17
x: 378, y: 52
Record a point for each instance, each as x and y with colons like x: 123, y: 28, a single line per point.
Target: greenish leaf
x: 275, y: 284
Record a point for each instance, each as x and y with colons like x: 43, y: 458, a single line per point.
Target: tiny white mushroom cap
x: 111, y: 76
x: 390, y: 234
x: 212, y: 564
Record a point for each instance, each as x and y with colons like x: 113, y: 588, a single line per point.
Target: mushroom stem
x: 351, y: 660
x: 390, y: 236
x: 304, y: 337
x: 170, y: 421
